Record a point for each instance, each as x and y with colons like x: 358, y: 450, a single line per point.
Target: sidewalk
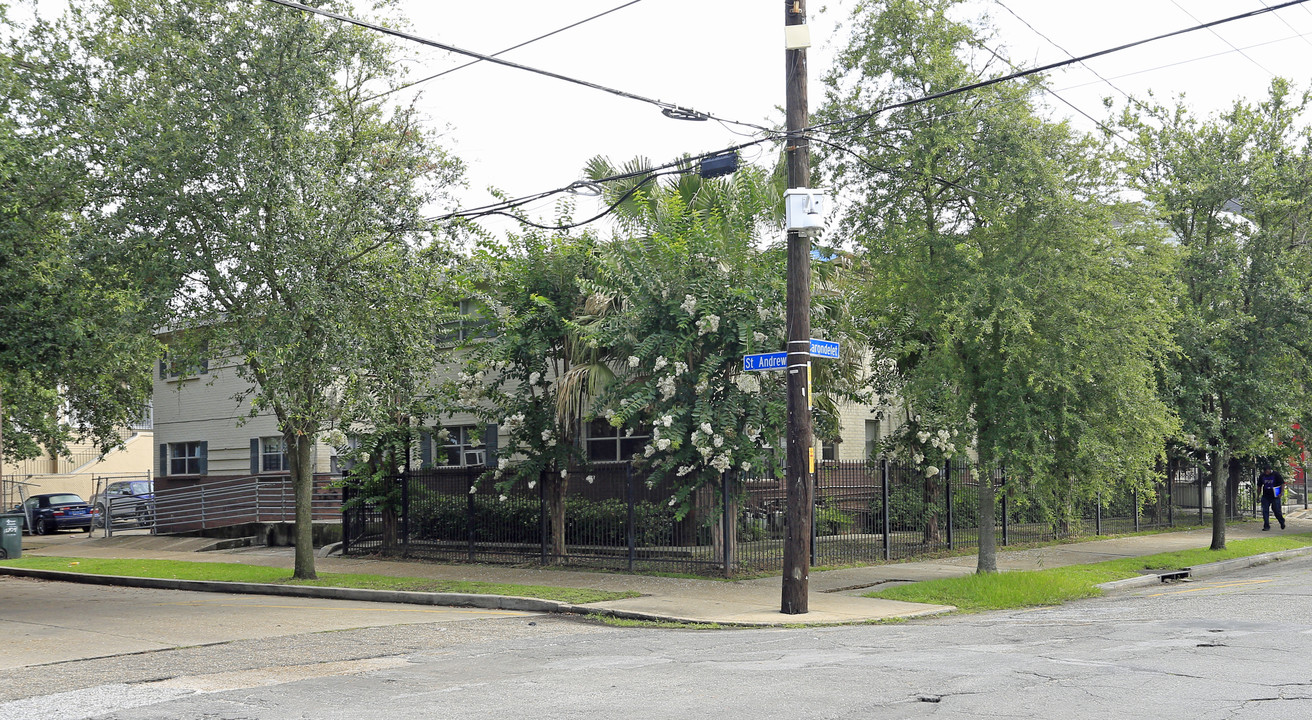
x: 835, y: 594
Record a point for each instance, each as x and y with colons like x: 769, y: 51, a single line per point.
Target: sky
x: 523, y: 133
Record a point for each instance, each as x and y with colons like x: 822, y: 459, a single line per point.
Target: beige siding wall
x: 204, y: 408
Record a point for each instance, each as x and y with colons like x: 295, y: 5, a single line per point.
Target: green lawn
x: 237, y: 572
x: 1029, y: 588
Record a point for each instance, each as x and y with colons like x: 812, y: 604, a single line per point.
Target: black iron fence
x: 864, y: 512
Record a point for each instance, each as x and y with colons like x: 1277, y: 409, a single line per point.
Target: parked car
x: 50, y: 512
x: 128, y: 500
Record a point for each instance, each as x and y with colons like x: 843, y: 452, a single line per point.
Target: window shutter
x: 204, y: 457
x: 425, y: 448
x: 490, y: 442
x: 163, y: 369
x: 255, y: 456
x: 163, y: 459
x: 204, y: 366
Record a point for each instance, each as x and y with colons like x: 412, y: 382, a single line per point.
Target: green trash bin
x: 11, y: 535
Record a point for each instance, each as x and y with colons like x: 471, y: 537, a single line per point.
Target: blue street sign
x: 824, y: 348
x: 766, y: 361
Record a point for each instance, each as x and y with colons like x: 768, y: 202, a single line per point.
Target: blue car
x: 52, y: 512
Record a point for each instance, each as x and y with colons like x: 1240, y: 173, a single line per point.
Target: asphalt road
x: 1234, y: 647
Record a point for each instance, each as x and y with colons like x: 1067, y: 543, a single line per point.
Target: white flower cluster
x: 514, y: 422
x: 680, y: 368
x: 666, y: 386
x: 759, y: 336
x: 660, y: 363
x: 665, y: 420
x: 534, y: 377
x: 689, y: 304
x: 721, y: 463
x: 748, y: 383
x: 548, y: 438
x: 708, y: 324
x: 633, y: 361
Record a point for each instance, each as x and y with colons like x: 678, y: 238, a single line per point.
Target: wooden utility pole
x: 797, y: 544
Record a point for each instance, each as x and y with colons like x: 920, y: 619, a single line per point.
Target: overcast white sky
x: 524, y: 133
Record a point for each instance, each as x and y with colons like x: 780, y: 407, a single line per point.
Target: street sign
x: 766, y: 361
x: 824, y: 348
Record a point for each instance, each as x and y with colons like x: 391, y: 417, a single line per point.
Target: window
x: 186, y: 458
x: 273, y: 454
x: 471, y: 322
x: 459, y: 448
x: 607, y: 443
x: 169, y: 368
x: 872, y: 438
x: 828, y: 451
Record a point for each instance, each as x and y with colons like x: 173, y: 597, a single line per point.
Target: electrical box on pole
x: 804, y: 211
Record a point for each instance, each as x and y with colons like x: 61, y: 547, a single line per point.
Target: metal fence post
x: 947, y: 491
x: 883, y: 491
x: 726, y: 526
x: 543, y: 527
x: 1097, y: 514
x: 1005, y: 525
x: 469, y: 513
x: 628, y: 497
x: 1170, y: 496
x: 1135, y: 495
x: 1199, y: 475
x: 405, y: 513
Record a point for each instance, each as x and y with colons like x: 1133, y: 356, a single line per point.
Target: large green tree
x: 238, y: 149
x: 1233, y: 189
x: 998, y: 262
x: 75, y: 321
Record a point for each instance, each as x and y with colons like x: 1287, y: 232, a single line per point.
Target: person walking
x: 1272, y: 484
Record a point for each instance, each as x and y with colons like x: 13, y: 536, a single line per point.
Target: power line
x: 1227, y: 42
x: 1068, y: 53
x: 1288, y: 25
x: 501, y: 52
x: 1043, y: 68
x: 668, y: 109
x: 504, y: 207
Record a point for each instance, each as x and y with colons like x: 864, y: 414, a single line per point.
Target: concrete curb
x: 485, y: 602
x: 1216, y: 568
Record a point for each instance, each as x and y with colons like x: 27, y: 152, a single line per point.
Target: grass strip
x: 238, y: 572
x: 1029, y: 588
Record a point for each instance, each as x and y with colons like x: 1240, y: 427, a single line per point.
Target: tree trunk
x: 988, y: 548
x: 1220, y: 473
x: 555, y: 489
x: 929, y: 496
x: 298, y: 449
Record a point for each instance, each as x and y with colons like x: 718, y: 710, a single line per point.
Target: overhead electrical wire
x: 668, y: 109
x: 862, y: 117
x: 544, y: 36
x: 1218, y: 35
x: 1288, y: 25
x: 504, y: 207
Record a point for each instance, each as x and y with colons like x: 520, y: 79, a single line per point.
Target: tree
x: 1232, y: 189
x: 532, y: 370
x: 75, y: 344
x: 997, y: 258
x: 234, y: 143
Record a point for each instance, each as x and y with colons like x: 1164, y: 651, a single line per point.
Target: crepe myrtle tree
x: 683, y: 304
x: 531, y: 369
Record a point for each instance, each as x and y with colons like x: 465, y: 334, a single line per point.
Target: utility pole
x: 797, y: 543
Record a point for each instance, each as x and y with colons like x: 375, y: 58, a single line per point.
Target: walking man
x: 1272, y: 484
